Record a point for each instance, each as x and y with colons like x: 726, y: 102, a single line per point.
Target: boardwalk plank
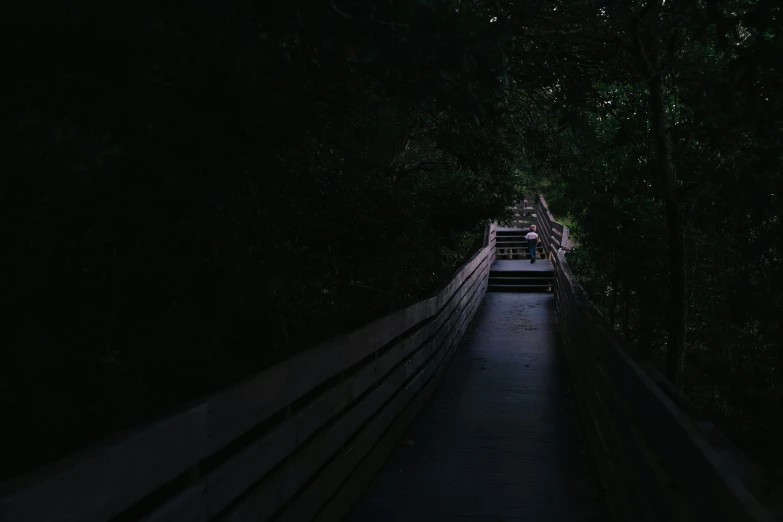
x: 500, y: 440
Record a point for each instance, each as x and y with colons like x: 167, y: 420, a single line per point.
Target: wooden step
x: 519, y: 288
x: 535, y: 281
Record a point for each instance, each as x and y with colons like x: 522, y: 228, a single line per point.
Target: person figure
x: 532, y: 243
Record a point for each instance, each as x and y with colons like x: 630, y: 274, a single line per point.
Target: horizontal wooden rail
x: 283, y: 445
x: 554, y: 235
x: 655, y: 461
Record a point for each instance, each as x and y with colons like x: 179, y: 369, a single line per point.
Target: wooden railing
x: 296, y: 443
x: 553, y: 235
x: 656, y: 458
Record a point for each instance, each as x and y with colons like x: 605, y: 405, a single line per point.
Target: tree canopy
x: 671, y: 173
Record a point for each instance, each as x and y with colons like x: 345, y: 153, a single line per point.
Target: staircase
x: 512, y: 270
x: 511, y: 244
x: 521, y: 215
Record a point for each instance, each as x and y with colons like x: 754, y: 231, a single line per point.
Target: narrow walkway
x: 522, y: 265
x: 500, y: 439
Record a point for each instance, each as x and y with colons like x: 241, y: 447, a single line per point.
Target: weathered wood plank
x: 350, y: 491
x: 279, y: 487
x: 235, y: 411
x: 188, y: 505
x: 104, y: 482
x: 107, y: 479
x: 239, y: 472
x: 660, y: 445
x: 309, y: 504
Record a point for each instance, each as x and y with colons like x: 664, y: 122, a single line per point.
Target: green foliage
x: 721, y: 67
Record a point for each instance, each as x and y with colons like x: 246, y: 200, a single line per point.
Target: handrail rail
x: 656, y: 462
x: 301, y: 438
x: 273, y: 443
x: 553, y: 225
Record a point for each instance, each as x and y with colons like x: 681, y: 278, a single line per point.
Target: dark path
x: 500, y: 439
x: 522, y: 265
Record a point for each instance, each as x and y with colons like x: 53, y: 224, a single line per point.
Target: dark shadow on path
x: 500, y: 440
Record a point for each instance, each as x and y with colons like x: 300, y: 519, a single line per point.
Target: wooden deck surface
x: 500, y: 440
x: 522, y: 265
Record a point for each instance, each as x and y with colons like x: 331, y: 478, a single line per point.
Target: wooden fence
x: 657, y: 459
x: 296, y: 443
x: 553, y: 235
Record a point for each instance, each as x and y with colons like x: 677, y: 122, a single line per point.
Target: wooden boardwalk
x: 522, y: 265
x: 500, y: 440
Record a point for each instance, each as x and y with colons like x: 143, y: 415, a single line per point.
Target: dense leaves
x: 721, y: 70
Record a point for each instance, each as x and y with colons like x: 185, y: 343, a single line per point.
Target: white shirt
x: 531, y: 236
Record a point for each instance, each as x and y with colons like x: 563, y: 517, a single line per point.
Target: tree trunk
x: 675, y: 223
